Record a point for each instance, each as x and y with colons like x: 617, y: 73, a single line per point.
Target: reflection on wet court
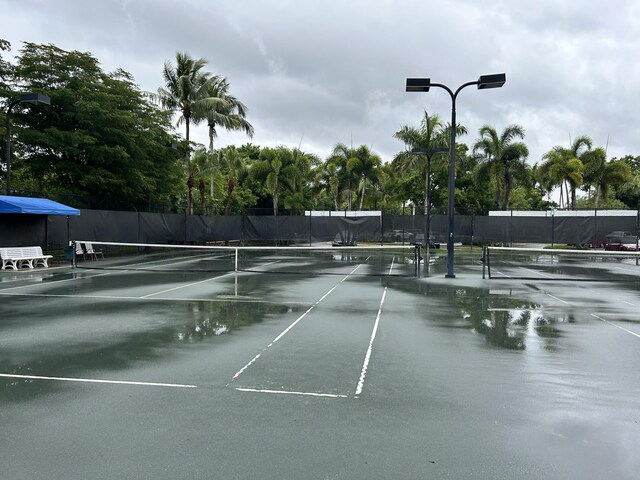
x: 309, y: 375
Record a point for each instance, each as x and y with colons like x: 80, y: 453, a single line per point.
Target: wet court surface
x: 116, y: 374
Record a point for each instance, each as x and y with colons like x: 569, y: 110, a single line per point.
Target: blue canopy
x: 36, y: 206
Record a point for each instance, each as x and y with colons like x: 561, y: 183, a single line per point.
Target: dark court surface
x: 116, y: 374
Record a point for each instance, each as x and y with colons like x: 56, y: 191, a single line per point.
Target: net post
x: 484, y: 260
x: 488, y: 263
x: 236, y: 262
x: 73, y: 254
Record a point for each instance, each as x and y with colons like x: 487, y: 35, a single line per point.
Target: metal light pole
x: 427, y: 207
x: 422, y: 85
x: 35, y: 98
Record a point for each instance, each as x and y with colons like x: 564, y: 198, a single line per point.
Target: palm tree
x: 364, y: 166
x: 341, y: 155
x: 576, y: 151
x: 228, y: 113
x: 183, y: 87
x: 602, y: 175
x: 276, y: 171
x: 431, y: 135
x: 234, y: 163
x: 185, y: 84
x: 328, y: 180
x: 542, y: 175
x: 566, y: 168
x: 199, y: 166
x: 504, y: 157
x: 186, y: 91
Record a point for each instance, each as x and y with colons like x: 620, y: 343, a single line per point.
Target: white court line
x: 286, y: 392
x: 286, y: 330
x: 92, y: 380
x: 185, y: 286
x: 367, y: 357
x: 537, y: 273
x: 613, y: 324
x: 503, y: 274
x: 392, y: 261
x: 39, y: 284
x: 556, y: 298
x: 220, y: 298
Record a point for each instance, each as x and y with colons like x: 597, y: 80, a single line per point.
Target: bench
x: 20, y: 257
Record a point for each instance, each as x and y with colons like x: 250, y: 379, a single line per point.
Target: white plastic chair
x: 80, y: 251
x: 91, y: 252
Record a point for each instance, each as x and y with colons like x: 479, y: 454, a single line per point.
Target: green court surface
x: 112, y: 374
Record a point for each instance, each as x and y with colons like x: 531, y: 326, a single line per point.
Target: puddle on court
x: 509, y: 322
x: 500, y: 315
x: 111, y: 336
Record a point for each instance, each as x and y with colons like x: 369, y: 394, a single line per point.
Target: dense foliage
x: 105, y: 141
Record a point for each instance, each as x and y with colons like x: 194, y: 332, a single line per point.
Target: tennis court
x: 333, y: 366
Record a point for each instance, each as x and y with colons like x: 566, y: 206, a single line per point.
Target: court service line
x: 367, y: 357
x: 287, y: 392
x: 93, y: 380
x: 613, y: 324
x: 392, y: 261
x: 295, y: 322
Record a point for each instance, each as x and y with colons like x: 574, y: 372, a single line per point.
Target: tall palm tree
x: 432, y: 134
x: 504, y: 157
x: 185, y: 85
x: 199, y: 167
x: 186, y: 91
x: 601, y: 175
x: 228, y: 113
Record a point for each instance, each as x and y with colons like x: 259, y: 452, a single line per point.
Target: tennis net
x: 559, y: 264
x: 374, y: 260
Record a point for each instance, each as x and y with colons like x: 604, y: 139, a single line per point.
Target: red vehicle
x: 621, y: 241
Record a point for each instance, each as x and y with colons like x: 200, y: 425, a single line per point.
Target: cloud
x: 334, y: 71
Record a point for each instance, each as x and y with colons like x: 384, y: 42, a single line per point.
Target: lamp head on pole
x: 418, y: 85
x: 35, y: 98
x: 495, y: 80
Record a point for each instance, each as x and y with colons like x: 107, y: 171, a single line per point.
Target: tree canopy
x: 103, y: 142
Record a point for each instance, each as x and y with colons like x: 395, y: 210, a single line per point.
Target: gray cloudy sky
x: 330, y: 71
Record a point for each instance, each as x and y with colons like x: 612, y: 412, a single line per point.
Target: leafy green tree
x: 629, y: 193
x: 503, y: 157
x: 101, y: 136
x: 6, y: 70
